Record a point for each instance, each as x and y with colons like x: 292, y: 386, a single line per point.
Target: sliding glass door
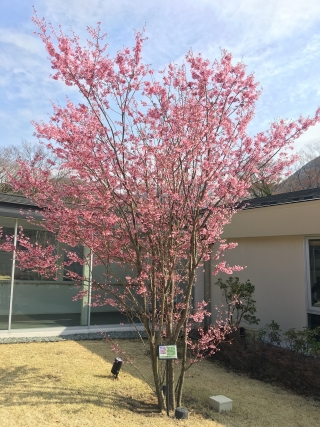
x: 30, y: 300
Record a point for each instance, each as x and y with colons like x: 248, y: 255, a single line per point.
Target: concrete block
x: 220, y: 403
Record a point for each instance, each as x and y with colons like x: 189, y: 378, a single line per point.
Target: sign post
x: 167, y: 352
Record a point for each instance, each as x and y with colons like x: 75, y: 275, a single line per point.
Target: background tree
x: 306, y: 170
x: 157, y: 164
x: 8, y: 165
x: 263, y: 186
x: 303, y: 174
x: 31, y: 152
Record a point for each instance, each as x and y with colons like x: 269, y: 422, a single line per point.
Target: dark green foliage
x: 271, y: 333
x: 260, y: 355
x: 244, y: 309
x: 303, y: 342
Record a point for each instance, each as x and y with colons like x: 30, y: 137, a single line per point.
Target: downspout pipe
x: 207, y: 290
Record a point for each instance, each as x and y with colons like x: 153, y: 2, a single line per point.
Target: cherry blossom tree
x: 157, y: 163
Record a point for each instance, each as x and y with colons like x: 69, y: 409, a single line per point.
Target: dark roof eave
x: 15, y: 206
x: 282, y: 199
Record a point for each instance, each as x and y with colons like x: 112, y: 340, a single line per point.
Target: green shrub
x: 271, y: 333
x: 244, y: 309
x: 261, y: 356
x: 303, y: 342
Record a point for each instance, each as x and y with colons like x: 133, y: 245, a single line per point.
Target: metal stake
x: 167, y: 388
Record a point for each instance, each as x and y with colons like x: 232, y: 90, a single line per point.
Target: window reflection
x: 6, y: 257
x: 40, y: 301
x: 314, y: 254
x: 41, y: 237
x: 75, y: 267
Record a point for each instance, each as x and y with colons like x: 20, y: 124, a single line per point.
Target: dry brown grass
x: 69, y: 384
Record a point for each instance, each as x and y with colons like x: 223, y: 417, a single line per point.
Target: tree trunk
x: 180, y: 387
x: 156, y: 378
x: 183, y: 367
x: 170, y: 387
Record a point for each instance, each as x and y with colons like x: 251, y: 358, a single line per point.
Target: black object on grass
x: 116, y: 367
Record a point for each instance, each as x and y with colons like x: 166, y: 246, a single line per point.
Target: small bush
x: 245, y: 308
x: 262, y: 357
x: 271, y: 334
x: 290, y: 359
x: 303, y: 342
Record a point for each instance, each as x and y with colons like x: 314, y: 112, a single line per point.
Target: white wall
x: 276, y: 266
x: 281, y: 220
x: 198, y: 287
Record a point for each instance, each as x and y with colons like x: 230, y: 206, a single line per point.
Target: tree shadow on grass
x: 36, y: 387
x: 136, y: 405
x: 147, y: 406
x: 25, y: 386
x: 140, y: 358
x: 29, y: 386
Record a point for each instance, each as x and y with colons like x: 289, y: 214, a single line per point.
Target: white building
x: 33, y: 305
x: 279, y: 241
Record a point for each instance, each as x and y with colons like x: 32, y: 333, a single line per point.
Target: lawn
x: 68, y: 383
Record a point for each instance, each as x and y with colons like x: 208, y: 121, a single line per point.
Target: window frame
x: 310, y: 308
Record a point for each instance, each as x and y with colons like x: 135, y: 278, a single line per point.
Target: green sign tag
x: 167, y: 352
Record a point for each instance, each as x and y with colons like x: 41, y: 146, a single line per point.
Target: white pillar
x: 12, y: 271
x: 86, y: 286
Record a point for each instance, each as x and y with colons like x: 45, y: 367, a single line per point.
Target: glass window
x: 106, y: 314
x: 7, y: 225
x: 314, y: 254
x: 39, y: 235
x: 39, y: 301
x: 75, y: 267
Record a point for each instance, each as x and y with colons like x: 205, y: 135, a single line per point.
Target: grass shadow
x: 29, y: 386
x: 138, y: 406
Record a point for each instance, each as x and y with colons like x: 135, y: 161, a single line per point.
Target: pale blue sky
x: 279, y: 40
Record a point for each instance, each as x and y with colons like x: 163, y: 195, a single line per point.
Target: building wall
x: 272, y: 244
x: 199, y: 285
x: 276, y: 266
x: 281, y: 220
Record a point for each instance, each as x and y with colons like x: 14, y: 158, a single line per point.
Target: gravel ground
x: 74, y: 337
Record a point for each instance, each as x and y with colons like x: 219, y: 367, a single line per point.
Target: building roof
x: 14, y: 199
x: 14, y: 206
x: 283, y: 198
